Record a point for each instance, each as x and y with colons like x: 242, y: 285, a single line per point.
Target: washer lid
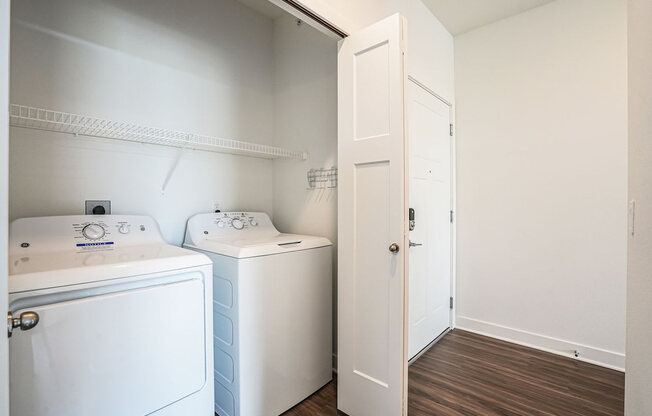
x: 244, y: 234
x: 261, y: 246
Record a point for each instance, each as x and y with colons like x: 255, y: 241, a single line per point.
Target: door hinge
x: 452, y: 217
x: 451, y: 130
x: 451, y: 305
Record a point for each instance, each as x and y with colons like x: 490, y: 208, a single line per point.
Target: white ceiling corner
x: 264, y: 7
x: 459, y: 16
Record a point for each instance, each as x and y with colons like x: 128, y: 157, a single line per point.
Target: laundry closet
x: 172, y: 110
x: 216, y: 69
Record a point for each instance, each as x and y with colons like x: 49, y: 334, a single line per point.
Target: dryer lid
x: 50, y: 252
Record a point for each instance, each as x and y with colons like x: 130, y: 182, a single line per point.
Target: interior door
x: 372, y: 223
x: 4, y: 151
x: 430, y: 197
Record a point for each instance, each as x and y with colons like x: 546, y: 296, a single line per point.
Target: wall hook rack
x: 322, y: 178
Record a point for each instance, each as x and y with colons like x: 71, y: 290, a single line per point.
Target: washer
x: 124, y: 319
x: 272, y: 311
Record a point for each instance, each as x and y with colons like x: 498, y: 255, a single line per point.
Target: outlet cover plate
x: 91, y: 204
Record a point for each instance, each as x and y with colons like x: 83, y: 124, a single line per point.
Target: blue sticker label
x: 107, y: 243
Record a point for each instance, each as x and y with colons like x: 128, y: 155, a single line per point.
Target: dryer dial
x: 93, y: 231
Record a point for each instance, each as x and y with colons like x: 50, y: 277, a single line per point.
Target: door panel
x: 372, y: 335
x: 127, y: 353
x: 372, y: 208
x: 430, y: 197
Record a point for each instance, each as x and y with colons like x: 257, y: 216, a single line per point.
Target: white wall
x: 305, y: 116
x: 638, y: 400
x: 4, y: 166
x: 430, y: 50
x: 201, y: 66
x: 542, y: 178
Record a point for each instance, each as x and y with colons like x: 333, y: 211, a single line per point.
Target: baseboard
x: 604, y: 358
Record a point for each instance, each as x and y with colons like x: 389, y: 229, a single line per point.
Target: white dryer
x: 115, y: 321
x: 272, y: 297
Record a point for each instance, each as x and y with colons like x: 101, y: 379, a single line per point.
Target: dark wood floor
x: 470, y: 375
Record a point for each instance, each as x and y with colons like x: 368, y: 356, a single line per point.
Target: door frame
x: 5, y: 16
x: 453, y: 156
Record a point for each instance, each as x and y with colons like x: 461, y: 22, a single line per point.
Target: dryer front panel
x: 125, y: 353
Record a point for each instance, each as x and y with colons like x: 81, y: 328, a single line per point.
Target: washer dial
x: 93, y: 231
x: 237, y: 224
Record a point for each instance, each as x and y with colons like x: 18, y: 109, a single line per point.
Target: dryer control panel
x: 81, y: 233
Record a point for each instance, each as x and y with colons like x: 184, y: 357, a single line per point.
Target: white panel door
x: 372, y: 226
x: 4, y: 151
x: 430, y: 197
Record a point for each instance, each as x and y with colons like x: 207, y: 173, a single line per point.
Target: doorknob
x: 394, y: 248
x: 415, y: 244
x: 25, y: 322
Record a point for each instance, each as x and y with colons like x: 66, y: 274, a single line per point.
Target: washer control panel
x: 228, y: 225
x: 81, y: 233
x: 235, y: 220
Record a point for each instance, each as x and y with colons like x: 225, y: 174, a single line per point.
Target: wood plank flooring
x: 466, y: 374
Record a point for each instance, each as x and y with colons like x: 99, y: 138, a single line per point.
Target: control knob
x: 237, y: 224
x: 93, y: 231
x: 124, y: 228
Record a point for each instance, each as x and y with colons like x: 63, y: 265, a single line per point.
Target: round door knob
x: 25, y: 322
x: 394, y: 248
x: 93, y: 231
x: 237, y: 224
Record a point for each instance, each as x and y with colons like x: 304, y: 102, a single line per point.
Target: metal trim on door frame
x: 303, y: 13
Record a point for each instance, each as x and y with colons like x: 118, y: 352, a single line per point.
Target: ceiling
x: 264, y: 7
x: 460, y: 16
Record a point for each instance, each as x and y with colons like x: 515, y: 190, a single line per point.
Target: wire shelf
x: 57, y: 121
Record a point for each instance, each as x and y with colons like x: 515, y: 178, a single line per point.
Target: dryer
x: 115, y: 321
x: 272, y: 298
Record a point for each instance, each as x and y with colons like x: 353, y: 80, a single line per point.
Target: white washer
x: 272, y: 312
x: 125, y: 320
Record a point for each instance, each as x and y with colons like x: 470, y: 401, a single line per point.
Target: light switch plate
x: 93, y: 204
